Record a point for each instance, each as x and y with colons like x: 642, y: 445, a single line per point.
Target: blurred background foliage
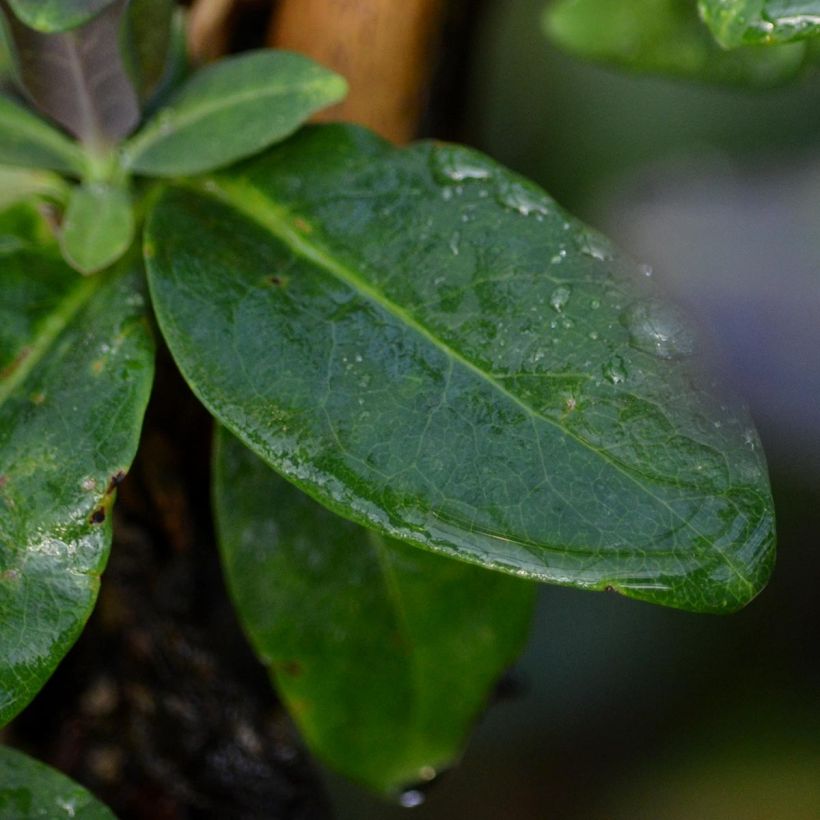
x: 624, y: 710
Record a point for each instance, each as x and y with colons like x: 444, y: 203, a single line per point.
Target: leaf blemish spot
x: 98, y: 516
x: 115, y: 481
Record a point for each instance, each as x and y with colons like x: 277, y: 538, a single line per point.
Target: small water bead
x: 593, y: 244
x: 659, y: 328
x: 646, y: 270
x: 595, y: 304
x: 453, y: 164
x: 593, y: 334
x: 615, y: 370
x: 524, y: 199
x: 560, y: 297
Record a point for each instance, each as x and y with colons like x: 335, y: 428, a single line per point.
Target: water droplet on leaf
x: 615, y: 370
x: 559, y: 297
x: 659, y: 328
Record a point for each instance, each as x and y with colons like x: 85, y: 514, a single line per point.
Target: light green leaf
x: 145, y: 42
x: 30, y: 789
x: 738, y: 22
x: 50, y: 16
x: 27, y: 140
x: 428, y: 345
x: 231, y: 110
x: 664, y: 36
x: 76, y: 361
x: 18, y: 184
x: 384, y: 654
x: 97, y: 228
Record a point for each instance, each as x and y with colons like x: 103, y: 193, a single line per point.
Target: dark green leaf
x: 664, y: 36
x: 429, y: 345
x: 231, y: 110
x: 78, y: 77
x: 97, y: 228
x: 57, y: 15
x: 76, y: 360
x: 30, y: 789
x: 145, y: 42
x: 28, y: 141
x: 384, y: 654
x: 739, y: 22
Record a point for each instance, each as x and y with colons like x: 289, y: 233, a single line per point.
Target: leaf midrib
x: 153, y: 134
x: 256, y: 206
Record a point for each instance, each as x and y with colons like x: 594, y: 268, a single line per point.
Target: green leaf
x: 19, y: 184
x: 28, y: 141
x: 97, y: 228
x: 384, y: 654
x: 145, y: 42
x: 664, y: 36
x: 30, y: 789
x: 428, y: 345
x: 78, y: 78
x: 231, y: 110
x: 50, y: 16
x: 739, y: 22
x: 76, y: 361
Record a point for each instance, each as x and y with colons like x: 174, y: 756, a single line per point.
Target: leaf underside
x: 76, y: 360
x: 428, y: 345
x: 383, y: 653
x: 667, y: 37
x: 30, y: 789
x: 78, y: 78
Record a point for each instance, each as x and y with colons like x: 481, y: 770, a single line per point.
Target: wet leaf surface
x: 738, y: 22
x: 76, y: 361
x: 428, y: 345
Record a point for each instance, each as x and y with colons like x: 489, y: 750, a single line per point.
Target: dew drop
x: 560, y: 297
x: 591, y: 243
x: 595, y: 304
x: 452, y: 164
x: 646, y: 270
x: 615, y: 370
x: 525, y: 200
x: 593, y: 334
x: 411, y: 798
x: 659, y: 328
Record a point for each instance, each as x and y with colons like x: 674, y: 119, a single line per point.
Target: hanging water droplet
x: 659, y: 328
x: 525, y: 200
x: 646, y: 270
x: 559, y: 297
x: 411, y: 798
x: 615, y: 370
x: 453, y: 164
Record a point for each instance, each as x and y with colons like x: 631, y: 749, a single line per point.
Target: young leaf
x: 19, y: 184
x: 428, y: 345
x: 739, y: 22
x: 231, y: 110
x: 384, y: 654
x: 28, y: 141
x: 30, y: 789
x: 145, y: 42
x: 98, y: 227
x: 76, y: 360
x: 664, y: 36
x: 78, y: 77
x: 50, y: 16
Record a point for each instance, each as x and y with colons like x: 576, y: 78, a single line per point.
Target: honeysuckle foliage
x: 433, y: 385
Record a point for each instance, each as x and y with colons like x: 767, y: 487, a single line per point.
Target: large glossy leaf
x: 78, y: 77
x: 75, y: 371
x: 30, y: 789
x: 57, y: 15
x: 27, y: 141
x: 665, y: 36
x: 231, y: 110
x: 384, y: 653
x: 735, y: 22
x: 97, y: 228
x: 429, y: 345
